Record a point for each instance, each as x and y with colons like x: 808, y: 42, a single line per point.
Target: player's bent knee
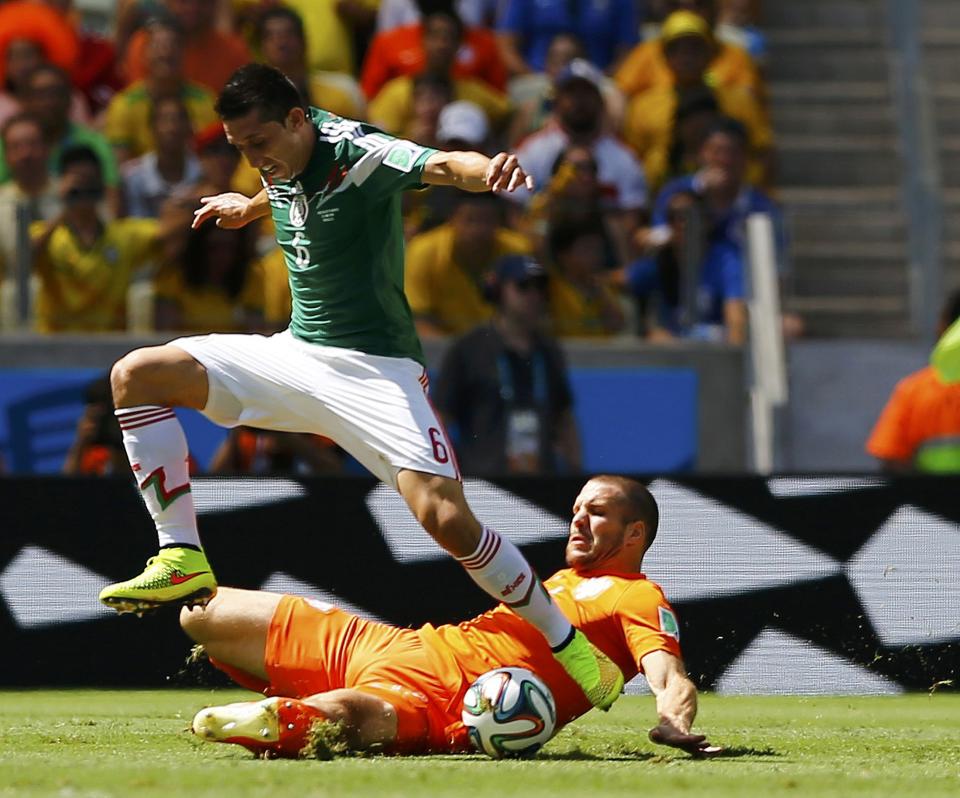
x: 194, y: 621
x: 161, y: 375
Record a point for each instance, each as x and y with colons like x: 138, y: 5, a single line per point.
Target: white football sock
x: 501, y: 570
x: 157, y: 450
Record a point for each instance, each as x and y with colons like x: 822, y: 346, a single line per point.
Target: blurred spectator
x: 651, y: 122
x: 574, y: 197
x: 397, y: 13
x: 578, y: 118
x: 46, y: 97
x: 460, y: 125
x: 277, y: 303
x: 95, y: 73
x: 401, y: 52
x: 697, y: 110
x: 334, y: 28
x: 211, y: 279
x: 737, y: 25
x: 215, y: 285
x: 169, y: 170
x: 30, y: 185
x: 919, y: 428
x: 607, y: 28
x: 721, y: 181
x: 446, y: 267
x: 128, y: 116
x: 503, y: 386
x: 282, y: 43
x: 83, y: 260
x: 533, y: 94
x: 657, y: 283
x: 583, y: 303
x: 222, y: 169
x: 97, y: 448
x: 646, y: 66
x: 30, y: 36
x: 256, y: 451
x: 219, y: 160
x: 210, y: 56
x: 393, y: 107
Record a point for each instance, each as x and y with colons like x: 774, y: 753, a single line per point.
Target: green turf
x: 99, y: 743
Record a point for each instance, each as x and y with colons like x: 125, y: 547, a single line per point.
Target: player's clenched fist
x: 504, y: 173
x: 231, y: 210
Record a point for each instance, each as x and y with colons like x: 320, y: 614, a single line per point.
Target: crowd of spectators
x: 633, y: 117
x: 627, y: 113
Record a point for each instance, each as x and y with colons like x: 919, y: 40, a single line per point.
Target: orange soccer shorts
x: 313, y: 647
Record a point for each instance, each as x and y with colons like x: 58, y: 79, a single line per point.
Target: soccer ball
x: 509, y: 712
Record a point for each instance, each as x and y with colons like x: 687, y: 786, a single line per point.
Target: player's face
x: 276, y: 149
x: 599, y: 527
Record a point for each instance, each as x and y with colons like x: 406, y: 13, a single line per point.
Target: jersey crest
x: 668, y: 623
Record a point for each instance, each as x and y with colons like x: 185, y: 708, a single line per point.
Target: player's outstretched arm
x: 676, y: 704
x: 231, y: 210
x: 473, y: 171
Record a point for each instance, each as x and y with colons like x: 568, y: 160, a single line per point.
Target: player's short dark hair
x: 725, y: 126
x: 280, y: 12
x: 261, y: 88
x: 638, y: 501
x: 76, y: 155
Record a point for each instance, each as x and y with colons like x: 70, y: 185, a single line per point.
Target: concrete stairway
x: 839, y: 168
x: 941, y: 39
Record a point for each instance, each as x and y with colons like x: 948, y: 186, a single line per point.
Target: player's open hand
x: 694, y: 744
x: 504, y: 173
x: 231, y: 210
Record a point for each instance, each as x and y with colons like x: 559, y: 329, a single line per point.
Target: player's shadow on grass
x: 586, y: 756
x: 578, y: 755
x: 737, y: 751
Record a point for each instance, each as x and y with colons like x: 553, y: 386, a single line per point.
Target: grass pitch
x: 124, y: 743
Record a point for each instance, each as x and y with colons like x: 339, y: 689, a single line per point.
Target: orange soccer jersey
x: 920, y: 424
x: 625, y: 615
x: 313, y: 647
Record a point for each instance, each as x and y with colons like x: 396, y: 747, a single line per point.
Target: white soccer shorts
x: 375, y: 407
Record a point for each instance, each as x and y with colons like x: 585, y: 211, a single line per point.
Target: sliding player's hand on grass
x: 504, y: 173
x: 694, y: 744
x: 231, y: 211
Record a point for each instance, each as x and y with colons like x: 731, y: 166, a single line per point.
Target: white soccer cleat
x: 272, y: 727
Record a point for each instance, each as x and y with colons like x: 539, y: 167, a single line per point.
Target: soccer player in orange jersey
x: 402, y: 689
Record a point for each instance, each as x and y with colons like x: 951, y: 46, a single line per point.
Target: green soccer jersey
x: 339, y: 226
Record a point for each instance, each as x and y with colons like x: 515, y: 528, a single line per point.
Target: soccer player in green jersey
x: 349, y: 367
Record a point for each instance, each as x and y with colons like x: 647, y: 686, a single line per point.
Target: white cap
x: 462, y: 121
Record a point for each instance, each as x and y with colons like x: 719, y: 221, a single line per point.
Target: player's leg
x: 500, y: 568
x: 233, y: 628
x: 147, y: 384
x: 318, y: 725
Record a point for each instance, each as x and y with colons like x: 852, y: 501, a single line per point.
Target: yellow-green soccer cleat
x: 946, y: 355
x: 174, y: 577
x: 597, y: 674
